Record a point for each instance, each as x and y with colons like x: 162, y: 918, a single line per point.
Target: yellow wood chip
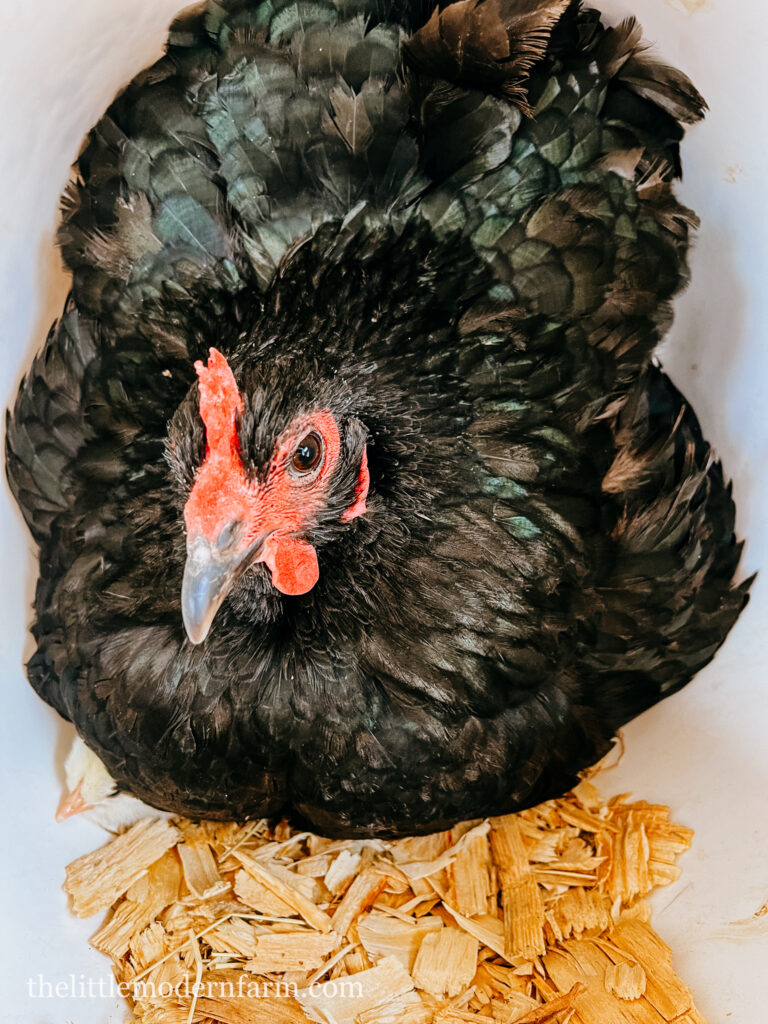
x: 470, y: 877
x: 626, y: 980
x: 160, y: 888
x: 383, y: 935
x: 291, y: 951
x: 540, y: 1013
x: 148, y: 946
x: 582, y: 819
x: 343, y: 1000
x: 200, y: 871
x: 246, y: 1010
x: 486, y: 929
x: 523, y: 919
x: 509, y: 852
x: 414, y: 870
x: 341, y: 872
x: 577, y: 911
x: 572, y: 965
x: 305, y: 884
x: 258, y: 897
x: 233, y: 936
x: 358, y: 897
x: 406, y: 1009
x: 419, y: 848
x: 556, y: 877
x: 664, y: 990
x: 295, y: 899
x: 514, y: 1008
x: 96, y: 880
x: 446, y: 962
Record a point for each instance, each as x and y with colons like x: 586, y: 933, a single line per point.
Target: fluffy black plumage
x: 363, y: 219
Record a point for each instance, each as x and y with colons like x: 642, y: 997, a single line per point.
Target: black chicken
x: 434, y: 521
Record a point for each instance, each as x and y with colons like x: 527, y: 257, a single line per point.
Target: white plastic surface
x: 703, y: 751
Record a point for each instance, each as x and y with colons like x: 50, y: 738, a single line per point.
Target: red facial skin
x: 284, y: 504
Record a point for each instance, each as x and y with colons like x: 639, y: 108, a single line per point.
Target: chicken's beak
x: 208, y: 578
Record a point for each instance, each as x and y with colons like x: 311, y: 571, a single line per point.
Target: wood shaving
x: 533, y: 918
x: 97, y: 879
x: 626, y: 980
x: 384, y: 935
x: 446, y: 962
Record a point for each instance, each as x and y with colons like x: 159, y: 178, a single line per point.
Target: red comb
x: 220, y: 402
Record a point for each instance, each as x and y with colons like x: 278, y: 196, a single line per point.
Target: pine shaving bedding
x: 532, y: 918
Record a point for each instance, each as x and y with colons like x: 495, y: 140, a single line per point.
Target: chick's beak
x: 71, y: 803
x: 208, y: 577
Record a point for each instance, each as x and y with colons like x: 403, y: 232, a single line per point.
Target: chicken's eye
x: 308, y: 454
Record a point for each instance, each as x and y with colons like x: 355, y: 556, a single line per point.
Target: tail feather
x: 648, y: 100
x: 486, y: 44
x: 668, y: 597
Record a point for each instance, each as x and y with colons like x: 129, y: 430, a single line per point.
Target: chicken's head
x: 239, y: 514
x: 317, y: 455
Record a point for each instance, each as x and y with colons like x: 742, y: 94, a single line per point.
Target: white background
x: 703, y: 751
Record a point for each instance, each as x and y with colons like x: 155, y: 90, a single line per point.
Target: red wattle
x: 292, y: 563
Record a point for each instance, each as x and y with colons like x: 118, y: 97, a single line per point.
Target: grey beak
x: 209, y: 572
x: 207, y: 580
